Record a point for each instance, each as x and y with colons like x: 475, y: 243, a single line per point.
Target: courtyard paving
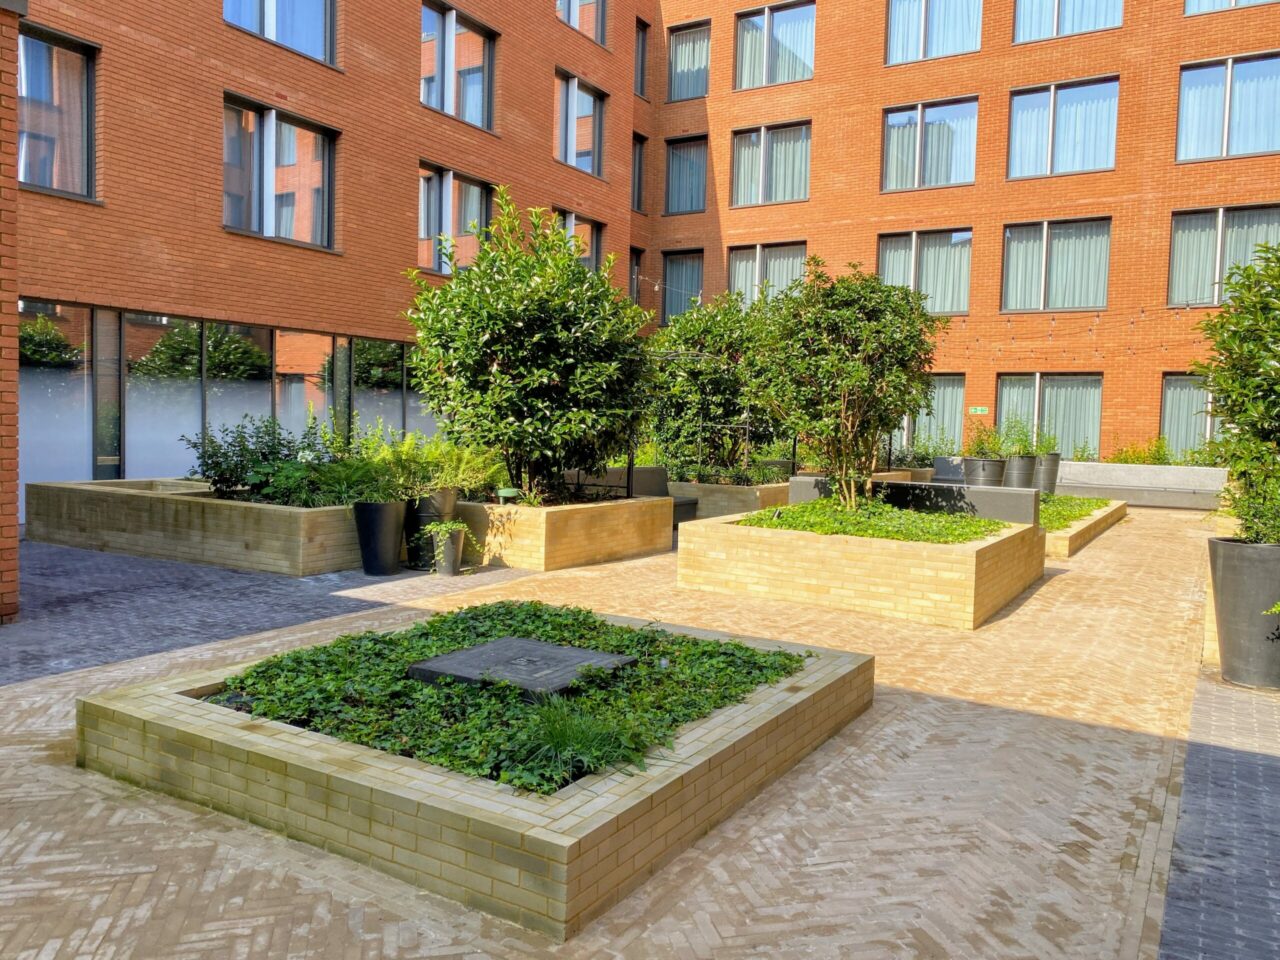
x: 1012, y: 794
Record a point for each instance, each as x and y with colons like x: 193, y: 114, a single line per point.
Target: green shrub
x: 984, y: 442
x: 1046, y: 443
x: 1152, y: 453
x: 923, y: 451
x: 1016, y: 439
x: 1058, y: 511
x: 226, y: 456
x: 876, y: 519
x: 42, y: 344
x: 228, y: 356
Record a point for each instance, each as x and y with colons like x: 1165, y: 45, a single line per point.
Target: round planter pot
x: 981, y: 472
x: 1020, y: 471
x: 380, y: 530
x: 1046, y: 475
x: 418, y: 513
x: 450, y: 556
x: 1246, y: 581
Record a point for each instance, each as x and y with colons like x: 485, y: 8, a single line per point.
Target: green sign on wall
x: 978, y: 410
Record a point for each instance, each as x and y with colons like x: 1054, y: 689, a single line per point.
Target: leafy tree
x: 376, y: 364
x: 42, y: 344
x: 1243, y: 377
x: 228, y: 356
x: 531, y: 352
x: 839, y: 362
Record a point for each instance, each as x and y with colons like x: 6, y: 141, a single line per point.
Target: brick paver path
x: 1010, y: 795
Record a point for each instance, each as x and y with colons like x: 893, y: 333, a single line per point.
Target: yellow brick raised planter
x: 548, y: 863
x: 720, y: 499
x: 955, y: 585
x: 576, y: 535
x: 1061, y: 544
x: 181, y: 520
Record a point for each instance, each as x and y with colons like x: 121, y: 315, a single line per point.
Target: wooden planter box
x: 1067, y: 543
x: 954, y: 585
x: 721, y: 499
x: 181, y: 520
x: 555, y: 538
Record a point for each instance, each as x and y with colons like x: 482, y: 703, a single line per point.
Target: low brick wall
x: 548, y: 863
x: 181, y: 520
x: 1061, y: 544
x: 577, y: 535
x: 721, y: 499
x: 955, y: 585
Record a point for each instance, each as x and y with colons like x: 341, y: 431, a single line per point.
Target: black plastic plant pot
x: 981, y: 472
x: 1246, y: 582
x: 380, y: 530
x: 1046, y: 475
x: 418, y: 513
x: 1020, y: 471
x: 449, y: 557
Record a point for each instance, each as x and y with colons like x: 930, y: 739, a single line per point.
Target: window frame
x: 639, y: 147
x: 641, y: 54
x: 768, y: 10
x: 1232, y: 5
x: 1220, y: 269
x: 1057, y: 20
x: 920, y: 109
x: 765, y: 130
x: 1053, y: 89
x: 1165, y: 375
x: 1227, y: 103
x: 664, y: 319
x: 1045, y: 226
x: 924, y: 38
x: 687, y: 28
x: 569, y: 221
x: 570, y: 15
x: 570, y: 85
x: 759, y: 249
x: 635, y: 263
x: 330, y: 58
x: 914, y: 285
x: 447, y: 60
x: 670, y: 142
x: 89, y: 51
x: 444, y: 206
x: 1037, y: 406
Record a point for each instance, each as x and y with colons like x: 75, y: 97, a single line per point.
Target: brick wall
x: 8, y: 314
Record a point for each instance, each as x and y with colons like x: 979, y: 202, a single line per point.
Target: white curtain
x: 1245, y: 230
x: 782, y: 265
x: 746, y: 168
x: 286, y: 144
x: 686, y: 176
x: 1201, y: 101
x: 900, y: 149
x: 946, y: 422
x: 1015, y: 400
x: 895, y: 260
x: 1023, y: 260
x: 303, y: 25
x: 1255, y: 107
x: 1079, y: 257
x: 1084, y: 137
x: 791, y: 45
x: 954, y: 26
x: 286, y: 206
x: 1033, y: 20
x: 690, y: 57
x: 1194, y: 248
x: 904, y: 30
x: 787, y: 164
x: 1204, y: 6
x: 750, y: 52
x: 1071, y: 411
x: 742, y: 273
x: 1029, y: 134
x: 243, y: 13
x: 1081, y: 16
x: 944, y: 270
x: 950, y: 143
x: 1184, y: 412
x: 683, y: 282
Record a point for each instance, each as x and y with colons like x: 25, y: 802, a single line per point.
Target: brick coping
x: 1061, y: 544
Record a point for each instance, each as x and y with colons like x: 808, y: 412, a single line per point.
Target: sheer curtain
x: 1023, y: 260
x: 742, y: 273
x: 904, y: 30
x: 1079, y: 257
x: 1255, y: 107
x: 690, y: 55
x: 243, y: 13
x: 1015, y: 400
x: 746, y: 168
x: 1029, y: 134
x: 900, y: 149
x: 895, y: 260
x: 950, y: 143
x: 782, y: 266
x: 302, y: 25
x: 750, y: 52
x: 687, y: 176
x: 683, y: 280
x: 944, y: 270
x: 1193, y: 255
x: 787, y: 164
x: 1205, y: 6
x: 947, y: 420
x: 1071, y: 411
x: 954, y: 26
x: 1081, y: 16
x: 1183, y: 414
x: 1033, y: 20
x: 1245, y: 230
x: 1201, y: 101
x: 1085, y: 127
x: 791, y: 46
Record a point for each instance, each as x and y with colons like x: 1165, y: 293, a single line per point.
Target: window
x: 55, y: 115
x: 775, y: 45
x: 589, y: 233
x: 681, y: 282
x: 580, y: 117
x: 689, y: 61
x: 1063, y: 129
x: 1206, y: 244
x: 377, y: 385
x: 636, y: 262
x: 771, y: 165
x: 944, y: 156
x: 945, y: 426
x: 457, y: 66
x: 277, y: 175
x: 1066, y: 407
x: 302, y: 25
x: 1057, y: 266
x: 1186, y: 414
x: 1042, y: 19
x: 453, y: 211
x: 935, y: 264
x: 642, y: 58
x: 765, y: 268
x: 1208, y: 6
x: 1229, y: 109
x: 637, y: 172
x: 923, y: 29
x: 687, y: 175
x: 588, y: 16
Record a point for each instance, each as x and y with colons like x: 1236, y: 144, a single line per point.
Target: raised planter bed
x: 720, y: 499
x: 181, y: 520
x: 576, y: 535
x: 1061, y: 544
x: 549, y: 863
x: 1192, y: 488
x: 954, y: 585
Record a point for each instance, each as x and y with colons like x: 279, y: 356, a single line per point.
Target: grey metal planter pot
x: 1046, y: 474
x: 1020, y: 471
x: 380, y: 530
x: 980, y: 472
x: 449, y: 555
x: 439, y: 506
x: 1246, y: 581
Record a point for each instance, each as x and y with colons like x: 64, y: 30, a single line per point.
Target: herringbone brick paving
x: 1011, y: 794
